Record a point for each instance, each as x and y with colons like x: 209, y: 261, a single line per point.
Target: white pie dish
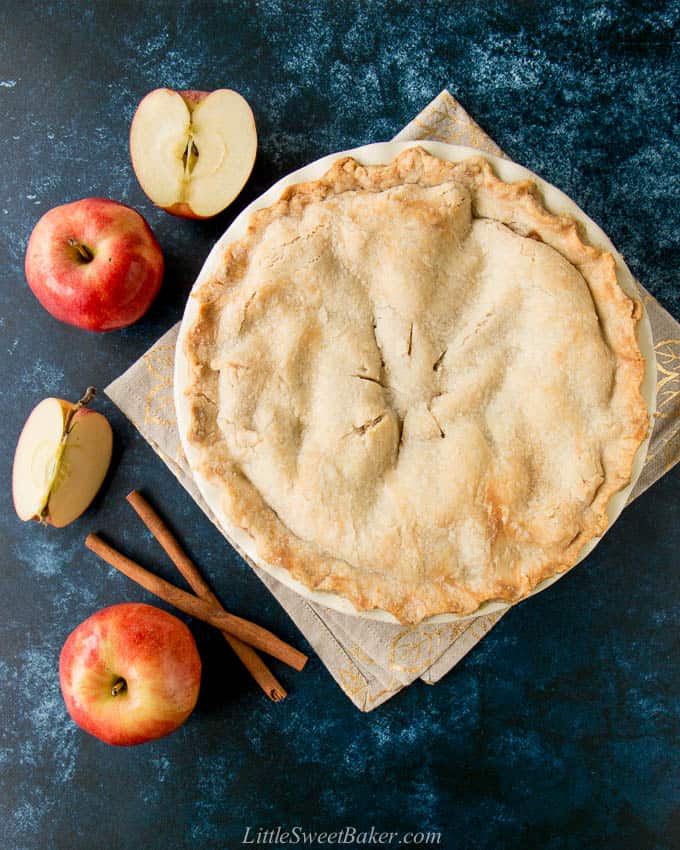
x: 555, y: 201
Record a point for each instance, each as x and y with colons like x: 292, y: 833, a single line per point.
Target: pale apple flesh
x: 61, y: 460
x: 192, y: 151
x: 37, y: 457
x: 130, y: 673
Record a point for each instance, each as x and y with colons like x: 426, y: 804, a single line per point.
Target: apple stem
x: 118, y: 687
x: 82, y: 250
x: 84, y: 400
x: 87, y: 397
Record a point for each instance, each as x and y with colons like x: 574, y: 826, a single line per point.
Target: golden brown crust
x: 530, y: 512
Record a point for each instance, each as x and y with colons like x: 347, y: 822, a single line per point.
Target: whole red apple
x: 130, y: 674
x: 95, y: 264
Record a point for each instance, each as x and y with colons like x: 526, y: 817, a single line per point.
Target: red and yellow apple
x: 61, y: 460
x: 193, y: 151
x: 95, y: 264
x: 130, y: 673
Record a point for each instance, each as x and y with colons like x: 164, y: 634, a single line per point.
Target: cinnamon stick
x: 249, y: 658
x: 248, y: 632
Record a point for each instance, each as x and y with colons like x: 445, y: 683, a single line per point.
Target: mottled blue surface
x: 560, y: 730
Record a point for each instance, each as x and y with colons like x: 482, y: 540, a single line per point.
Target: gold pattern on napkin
x: 372, y: 661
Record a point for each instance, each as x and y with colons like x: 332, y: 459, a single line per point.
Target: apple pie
x: 415, y: 386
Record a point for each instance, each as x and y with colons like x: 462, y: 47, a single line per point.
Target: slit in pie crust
x: 415, y: 386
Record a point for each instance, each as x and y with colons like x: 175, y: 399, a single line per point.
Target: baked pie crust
x: 415, y: 386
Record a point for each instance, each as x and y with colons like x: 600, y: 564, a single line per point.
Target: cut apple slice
x: 193, y: 151
x: 61, y: 460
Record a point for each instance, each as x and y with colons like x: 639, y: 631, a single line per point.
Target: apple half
x: 61, y: 460
x: 193, y: 151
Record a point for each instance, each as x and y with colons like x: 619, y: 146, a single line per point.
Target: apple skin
x: 112, y: 290
x: 156, y: 655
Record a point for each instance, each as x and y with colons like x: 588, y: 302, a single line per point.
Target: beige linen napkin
x: 372, y: 661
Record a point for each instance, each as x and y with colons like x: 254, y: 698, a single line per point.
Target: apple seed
x: 189, y: 158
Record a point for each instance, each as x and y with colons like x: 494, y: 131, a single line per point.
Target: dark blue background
x: 559, y: 730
